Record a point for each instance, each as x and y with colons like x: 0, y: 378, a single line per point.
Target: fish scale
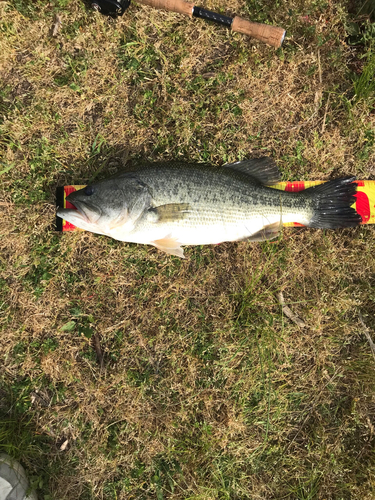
x: 218, y: 195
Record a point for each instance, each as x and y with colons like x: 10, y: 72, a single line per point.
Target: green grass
x: 206, y: 390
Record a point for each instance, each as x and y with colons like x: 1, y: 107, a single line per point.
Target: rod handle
x: 272, y: 35
x: 173, y: 5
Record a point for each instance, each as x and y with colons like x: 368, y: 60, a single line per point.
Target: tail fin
x: 332, y: 203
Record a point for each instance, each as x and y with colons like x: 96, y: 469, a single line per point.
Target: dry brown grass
x: 206, y: 390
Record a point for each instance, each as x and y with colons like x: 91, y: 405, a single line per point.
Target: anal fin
x: 169, y: 245
x: 269, y: 232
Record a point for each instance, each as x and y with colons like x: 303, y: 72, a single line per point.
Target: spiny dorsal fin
x: 171, y: 212
x: 264, y: 169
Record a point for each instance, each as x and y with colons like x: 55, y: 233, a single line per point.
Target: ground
x: 130, y: 374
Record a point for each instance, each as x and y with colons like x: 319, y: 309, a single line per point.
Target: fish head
x: 98, y: 207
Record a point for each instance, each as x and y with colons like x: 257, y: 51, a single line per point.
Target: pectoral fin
x: 171, y: 212
x: 269, y: 232
x: 169, y: 245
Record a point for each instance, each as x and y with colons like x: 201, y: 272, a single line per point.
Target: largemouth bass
x: 173, y: 204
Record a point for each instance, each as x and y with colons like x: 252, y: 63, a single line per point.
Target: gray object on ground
x: 14, y: 484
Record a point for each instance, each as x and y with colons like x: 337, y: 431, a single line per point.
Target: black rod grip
x: 212, y: 16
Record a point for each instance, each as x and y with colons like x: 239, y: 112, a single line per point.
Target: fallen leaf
x: 57, y: 25
x: 64, y: 445
x: 288, y: 312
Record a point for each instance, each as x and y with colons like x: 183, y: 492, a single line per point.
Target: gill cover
x: 108, y: 205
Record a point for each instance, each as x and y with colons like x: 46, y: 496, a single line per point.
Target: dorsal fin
x: 263, y: 170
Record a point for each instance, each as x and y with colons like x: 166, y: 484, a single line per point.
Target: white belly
x: 202, y: 234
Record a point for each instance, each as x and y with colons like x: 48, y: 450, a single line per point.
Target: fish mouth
x: 80, y: 212
x: 81, y: 215
x: 73, y: 217
x: 75, y: 213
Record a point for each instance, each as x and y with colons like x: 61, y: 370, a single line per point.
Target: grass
x: 205, y: 390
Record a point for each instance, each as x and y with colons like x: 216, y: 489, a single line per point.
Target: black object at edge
x: 112, y: 8
x: 212, y: 16
x: 59, y: 204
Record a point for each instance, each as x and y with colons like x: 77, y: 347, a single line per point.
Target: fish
x: 169, y: 205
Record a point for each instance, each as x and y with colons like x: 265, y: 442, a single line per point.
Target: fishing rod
x: 272, y: 35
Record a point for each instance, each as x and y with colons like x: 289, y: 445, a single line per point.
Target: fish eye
x: 89, y: 190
